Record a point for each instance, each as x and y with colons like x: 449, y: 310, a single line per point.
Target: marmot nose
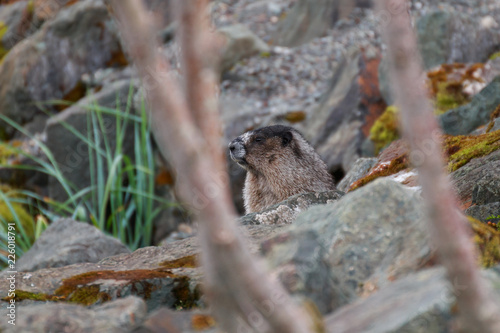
x: 237, y: 149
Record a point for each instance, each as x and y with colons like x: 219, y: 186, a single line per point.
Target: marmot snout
x: 279, y: 163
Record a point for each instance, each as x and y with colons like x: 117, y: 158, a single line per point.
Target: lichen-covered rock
x: 286, y: 211
x: 468, y: 117
x: 71, y: 152
x: 358, y: 170
x: 119, y: 316
x: 67, y: 242
x: 166, y: 320
x: 375, y: 234
x: 80, y: 39
x: 240, y: 43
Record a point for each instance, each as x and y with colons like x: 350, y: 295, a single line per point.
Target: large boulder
x: 448, y: 36
x: 71, y: 152
x: 369, y: 237
x: 80, y: 39
x: 67, y: 242
x: 240, y: 43
x: 118, y: 316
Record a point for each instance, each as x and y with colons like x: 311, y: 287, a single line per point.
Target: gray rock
x: 81, y: 39
x: 119, y: 316
x: 417, y: 303
x: 385, y: 82
x: 358, y: 170
x: 67, y: 242
x: 471, y: 180
x: 70, y: 151
x: 466, y: 118
x: 487, y: 189
x: 13, y: 18
x: 163, y: 276
x: 306, y: 20
x: 373, y: 234
x: 240, y: 43
x: 451, y: 36
x: 166, y: 320
x: 483, y: 212
x: 286, y: 211
x: 339, y: 125
x: 496, y: 125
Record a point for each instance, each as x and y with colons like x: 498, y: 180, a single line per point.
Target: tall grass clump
x: 121, y: 199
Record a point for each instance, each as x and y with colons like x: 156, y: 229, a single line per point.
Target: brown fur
x: 279, y: 163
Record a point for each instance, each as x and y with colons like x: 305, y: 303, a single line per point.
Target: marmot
x: 279, y: 163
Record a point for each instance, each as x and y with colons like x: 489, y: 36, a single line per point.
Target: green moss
x: 26, y: 295
x: 385, y: 128
x: 30, y: 8
x: 265, y: 54
x: 184, y: 262
x: 79, y: 288
x: 461, y: 149
x: 495, y: 114
x: 494, y: 56
x: 88, y: 295
x: 449, y: 96
x: 487, y: 239
x: 3, y: 30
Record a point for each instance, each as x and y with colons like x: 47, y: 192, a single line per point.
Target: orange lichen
x: 184, y: 262
x: 200, y: 322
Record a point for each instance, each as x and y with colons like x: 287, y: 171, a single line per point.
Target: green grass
x: 121, y: 201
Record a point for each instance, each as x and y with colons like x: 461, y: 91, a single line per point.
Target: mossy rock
x: 461, y: 149
x: 385, y: 129
x: 487, y: 238
x: 3, y: 30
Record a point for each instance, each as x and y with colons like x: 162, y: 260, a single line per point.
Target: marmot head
x: 257, y: 150
x: 280, y: 163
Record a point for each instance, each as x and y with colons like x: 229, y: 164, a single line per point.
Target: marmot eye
x: 259, y: 139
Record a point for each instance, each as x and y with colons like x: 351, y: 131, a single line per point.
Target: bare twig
x: 240, y: 292
x: 478, y: 311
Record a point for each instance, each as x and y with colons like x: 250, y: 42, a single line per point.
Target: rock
x: 12, y: 22
x: 241, y: 43
x: 374, y: 234
x: 119, y: 316
x: 451, y: 36
x: 166, y: 320
x: 71, y: 152
x: 286, y: 211
x: 484, y: 212
x: 166, y: 276
x: 341, y: 123
x: 471, y: 180
x: 67, y: 242
x: 358, y: 170
x: 466, y: 118
x: 420, y: 302
x: 81, y: 39
x: 487, y: 189
x: 306, y: 20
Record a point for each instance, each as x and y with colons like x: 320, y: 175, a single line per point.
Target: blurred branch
x: 448, y: 228
x: 186, y: 126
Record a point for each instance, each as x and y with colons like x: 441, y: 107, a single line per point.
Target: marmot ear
x: 287, y: 137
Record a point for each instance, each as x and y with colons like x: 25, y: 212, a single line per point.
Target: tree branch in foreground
x: 448, y: 228
x: 240, y: 292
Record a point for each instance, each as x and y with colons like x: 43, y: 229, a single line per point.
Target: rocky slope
x: 359, y: 255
